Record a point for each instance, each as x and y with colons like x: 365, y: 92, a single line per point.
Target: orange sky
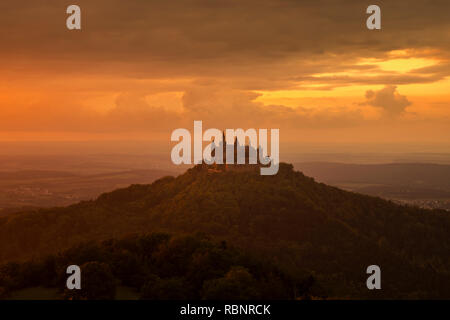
x: 140, y: 69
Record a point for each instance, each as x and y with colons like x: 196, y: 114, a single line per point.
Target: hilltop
x: 302, y: 226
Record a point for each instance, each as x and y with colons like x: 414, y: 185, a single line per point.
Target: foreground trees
x: 158, y: 267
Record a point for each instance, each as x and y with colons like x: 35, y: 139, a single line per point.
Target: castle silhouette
x: 241, y: 157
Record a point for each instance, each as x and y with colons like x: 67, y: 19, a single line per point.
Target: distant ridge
x: 389, y: 173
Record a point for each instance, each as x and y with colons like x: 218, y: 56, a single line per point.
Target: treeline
x: 158, y: 267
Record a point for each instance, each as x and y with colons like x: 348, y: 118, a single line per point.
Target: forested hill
x: 303, y: 226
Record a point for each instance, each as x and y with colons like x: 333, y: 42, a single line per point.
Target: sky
x: 139, y: 69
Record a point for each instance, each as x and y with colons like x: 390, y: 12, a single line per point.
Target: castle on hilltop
x: 244, y: 157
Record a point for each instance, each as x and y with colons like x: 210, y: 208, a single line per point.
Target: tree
x: 97, y: 283
x: 165, y: 289
x: 237, y: 284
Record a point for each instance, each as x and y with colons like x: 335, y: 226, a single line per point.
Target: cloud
x: 223, y: 107
x: 389, y: 100
x: 217, y: 54
x: 247, y: 40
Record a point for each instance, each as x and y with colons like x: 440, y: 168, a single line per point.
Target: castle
x: 241, y: 157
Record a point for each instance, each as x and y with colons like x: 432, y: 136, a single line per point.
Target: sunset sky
x: 140, y: 69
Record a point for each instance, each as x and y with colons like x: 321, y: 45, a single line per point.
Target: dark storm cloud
x: 214, y: 37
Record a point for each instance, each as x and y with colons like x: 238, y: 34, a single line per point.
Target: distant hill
x: 304, y: 227
x: 44, y: 188
x: 392, y: 180
x: 34, y: 174
x: 424, y: 174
